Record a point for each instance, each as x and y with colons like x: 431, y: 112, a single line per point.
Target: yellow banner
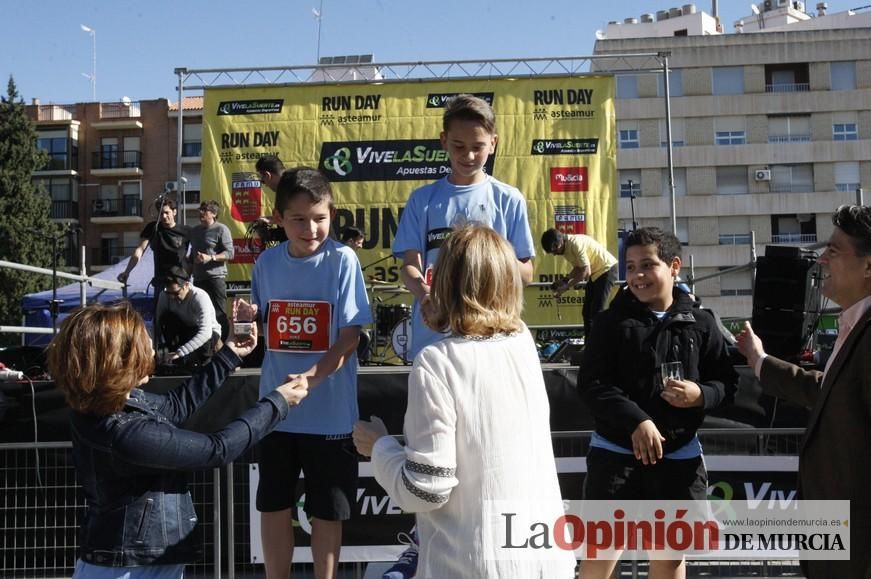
x: 378, y: 142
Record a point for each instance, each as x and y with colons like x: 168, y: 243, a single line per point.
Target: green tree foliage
x: 25, y: 226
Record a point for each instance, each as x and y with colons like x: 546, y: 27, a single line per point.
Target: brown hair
x: 465, y: 107
x: 477, y: 290
x: 100, y: 354
x: 211, y: 205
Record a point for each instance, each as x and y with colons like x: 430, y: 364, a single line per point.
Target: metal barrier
x: 42, y: 507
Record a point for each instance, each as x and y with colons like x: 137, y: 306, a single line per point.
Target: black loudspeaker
x: 786, y: 300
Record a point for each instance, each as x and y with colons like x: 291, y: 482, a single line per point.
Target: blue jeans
x: 86, y: 570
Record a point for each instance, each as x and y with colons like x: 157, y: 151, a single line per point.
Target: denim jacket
x: 132, y: 466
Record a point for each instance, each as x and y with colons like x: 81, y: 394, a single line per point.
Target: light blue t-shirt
x: 296, y: 296
x: 434, y: 210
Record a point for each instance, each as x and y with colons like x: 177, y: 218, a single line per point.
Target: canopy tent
x: 139, y: 292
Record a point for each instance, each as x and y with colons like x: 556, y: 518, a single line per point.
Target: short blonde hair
x: 477, y: 290
x: 101, y: 353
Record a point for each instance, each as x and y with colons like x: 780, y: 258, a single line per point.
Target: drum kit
x: 391, y: 343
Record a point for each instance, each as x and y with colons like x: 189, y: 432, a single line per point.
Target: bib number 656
x: 296, y: 325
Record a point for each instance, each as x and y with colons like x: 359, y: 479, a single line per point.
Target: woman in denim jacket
x: 130, y: 454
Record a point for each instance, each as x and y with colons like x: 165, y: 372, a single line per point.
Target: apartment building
x: 771, y: 131
x: 108, y: 162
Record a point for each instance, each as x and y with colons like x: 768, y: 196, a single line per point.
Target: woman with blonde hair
x: 130, y: 453
x: 477, y: 424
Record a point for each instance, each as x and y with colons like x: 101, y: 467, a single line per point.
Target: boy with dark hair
x: 592, y: 263
x: 467, y: 195
x: 645, y: 445
x: 312, y: 297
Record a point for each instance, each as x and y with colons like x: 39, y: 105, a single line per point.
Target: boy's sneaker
x: 406, y: 566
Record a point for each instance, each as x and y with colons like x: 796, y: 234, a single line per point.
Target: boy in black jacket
x: 645, y: 445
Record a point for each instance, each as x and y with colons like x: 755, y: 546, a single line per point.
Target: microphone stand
x: 376, y: 262
x: 54, y: 304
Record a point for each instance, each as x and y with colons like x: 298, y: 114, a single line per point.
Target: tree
x: 24, y: 210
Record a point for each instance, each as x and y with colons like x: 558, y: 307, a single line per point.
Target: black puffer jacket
x: 627, y: 344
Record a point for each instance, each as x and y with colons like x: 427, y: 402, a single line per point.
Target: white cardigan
x: 477, y: 428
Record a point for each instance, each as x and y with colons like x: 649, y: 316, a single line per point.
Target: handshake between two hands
x: 243, y: 340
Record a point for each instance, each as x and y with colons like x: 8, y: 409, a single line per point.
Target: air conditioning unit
x: 762, y: 175
x: 170, y: 186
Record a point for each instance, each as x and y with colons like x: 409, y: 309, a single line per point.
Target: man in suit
x: 834, y: 456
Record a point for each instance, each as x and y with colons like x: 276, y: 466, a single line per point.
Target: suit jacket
x: 835, y: 454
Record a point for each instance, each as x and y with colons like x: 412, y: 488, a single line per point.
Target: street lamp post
x: 93, y: 75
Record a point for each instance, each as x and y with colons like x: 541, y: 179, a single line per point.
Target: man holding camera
x: 591, y: 262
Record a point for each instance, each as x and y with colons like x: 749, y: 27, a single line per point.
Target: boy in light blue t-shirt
x: 311, y: 297
x: 468, y: 194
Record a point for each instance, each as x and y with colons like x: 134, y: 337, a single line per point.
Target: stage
x: 382, y: 391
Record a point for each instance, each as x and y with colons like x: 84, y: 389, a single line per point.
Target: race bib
x: 299, y: 326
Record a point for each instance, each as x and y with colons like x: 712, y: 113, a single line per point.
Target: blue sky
x: 140, y: 43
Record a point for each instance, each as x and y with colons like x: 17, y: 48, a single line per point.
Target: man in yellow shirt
x: 592, y: 264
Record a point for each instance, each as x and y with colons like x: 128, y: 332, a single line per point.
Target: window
x: 736, y: 283
x: 729, y: 131
x: 683, y: 230
x: 55, y: 144
x: 789, y: 128
x: 800, y: 228
x: 680, y: 182
x: 630, y: 183
x: 728, y: 80
x: 847, y: 176
x: 843, y: 75
x: 627, y: 86
x: 845, y: 126
x: 192, y: 187
x: 675, y: 83
x: 732, y: 181
x: 734, y: 230
x: 792, y: 178
x: 131, y: 197
x: 192, y: 140
x: 108, y: 153
x: 678, y: 133
x: 845, y: 131
x: 132, y: 152
x: 628, y: 134
x: 788, y: 77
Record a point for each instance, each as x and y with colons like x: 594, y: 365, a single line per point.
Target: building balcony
x: 124, y: 210
x: 121, y: 115
x: 65, y: 210
x: 789, y: 138
x: 60, y: 164
x: 116, y: 163
x: 55, y: 113
x: 794, y: 238
x: 788, y: 87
